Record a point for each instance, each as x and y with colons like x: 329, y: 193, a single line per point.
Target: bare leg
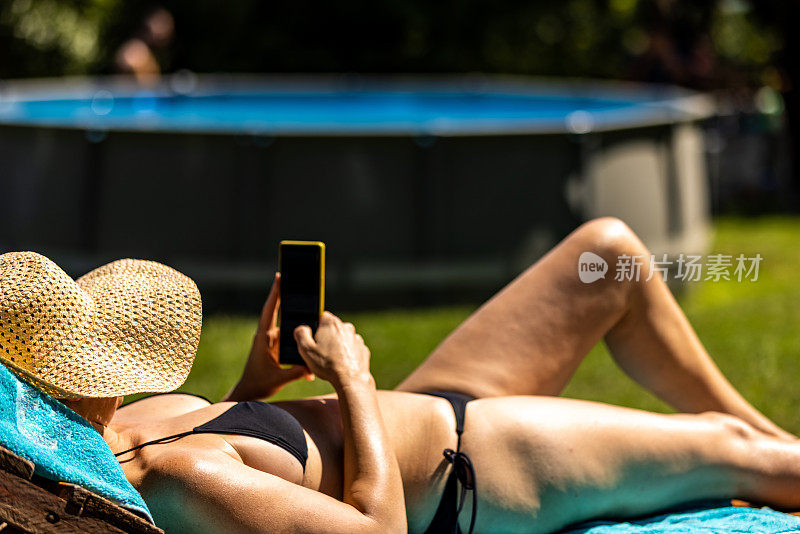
x: 547, y: 462
x: 530, y: 338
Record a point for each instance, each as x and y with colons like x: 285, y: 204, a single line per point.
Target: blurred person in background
x: 139, y: 55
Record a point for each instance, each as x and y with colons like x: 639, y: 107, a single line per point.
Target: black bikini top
x: 255, y: 419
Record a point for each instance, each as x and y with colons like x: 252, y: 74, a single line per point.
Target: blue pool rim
x: 650, y: 105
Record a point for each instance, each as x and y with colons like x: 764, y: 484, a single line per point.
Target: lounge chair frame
x: 34, y: 505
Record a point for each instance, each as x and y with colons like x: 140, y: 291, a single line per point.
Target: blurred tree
x: 780, y: 16
x: 706, y: 43
x: 50, y: 37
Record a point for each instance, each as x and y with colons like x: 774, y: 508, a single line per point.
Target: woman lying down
x: 476, y: 439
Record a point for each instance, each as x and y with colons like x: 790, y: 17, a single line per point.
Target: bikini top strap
x: 156, y: 441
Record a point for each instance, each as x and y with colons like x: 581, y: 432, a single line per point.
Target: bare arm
x: 372, y: 482
x: 211, y: 492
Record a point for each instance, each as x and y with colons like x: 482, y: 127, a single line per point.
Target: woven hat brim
x: 26, y: 376
x: 144, y: 334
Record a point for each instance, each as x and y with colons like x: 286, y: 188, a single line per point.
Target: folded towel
x: 61, y: 444
x: 706, y: 520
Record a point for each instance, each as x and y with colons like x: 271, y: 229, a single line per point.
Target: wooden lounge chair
x: 33, y: 505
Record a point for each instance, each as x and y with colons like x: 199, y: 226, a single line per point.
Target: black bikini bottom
x: 446, y: 518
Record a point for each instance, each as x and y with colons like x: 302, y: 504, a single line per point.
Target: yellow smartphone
x: 302, y: 268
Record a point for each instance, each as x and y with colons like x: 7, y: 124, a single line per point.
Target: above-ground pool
x: 420, y: 108
x: 415, y: 184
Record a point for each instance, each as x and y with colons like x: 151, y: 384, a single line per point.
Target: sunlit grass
x: 748, y: 327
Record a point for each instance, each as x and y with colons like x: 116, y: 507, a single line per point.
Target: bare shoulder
x: 186, y: 466
x: 180, y: 486
x: 162, y: 406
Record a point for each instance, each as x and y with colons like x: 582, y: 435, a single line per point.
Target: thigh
x: 530, y: 337
x: 545, y: 462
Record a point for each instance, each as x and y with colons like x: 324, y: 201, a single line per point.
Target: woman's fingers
x: 273, y: 337
x: 305, y: 341
x: 274, y: 301
x: 328, y: 319
x: 269, y: 315
x: 335, y: 351
x: 277, y: 304
x: 308, y: 349
x: 294, y: 372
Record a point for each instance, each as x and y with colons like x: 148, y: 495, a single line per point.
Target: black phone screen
x: 301, y: 279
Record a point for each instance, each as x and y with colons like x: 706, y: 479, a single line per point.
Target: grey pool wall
x: 408, y: 217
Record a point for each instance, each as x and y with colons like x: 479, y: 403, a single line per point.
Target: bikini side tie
x: 465, y: 474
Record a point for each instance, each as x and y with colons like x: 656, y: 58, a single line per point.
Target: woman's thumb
x: 296, y: 371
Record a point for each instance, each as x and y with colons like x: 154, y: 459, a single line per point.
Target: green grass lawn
x: 750, y: 328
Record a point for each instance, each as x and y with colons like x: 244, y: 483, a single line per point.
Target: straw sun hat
x: 127, y: 327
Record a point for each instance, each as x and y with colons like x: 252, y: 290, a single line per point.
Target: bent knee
x: 731, y: 427
x: 612, y: 240
x: 609, y: 237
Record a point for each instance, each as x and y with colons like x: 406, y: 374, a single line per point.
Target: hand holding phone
x: 337, y: 353
x: 302, y: 293
x: 263, y: 376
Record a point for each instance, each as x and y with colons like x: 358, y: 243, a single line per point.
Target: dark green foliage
x: 703, y: 43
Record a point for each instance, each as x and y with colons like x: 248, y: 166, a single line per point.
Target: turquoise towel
x: 722, y: 520
x: 62, y: 445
